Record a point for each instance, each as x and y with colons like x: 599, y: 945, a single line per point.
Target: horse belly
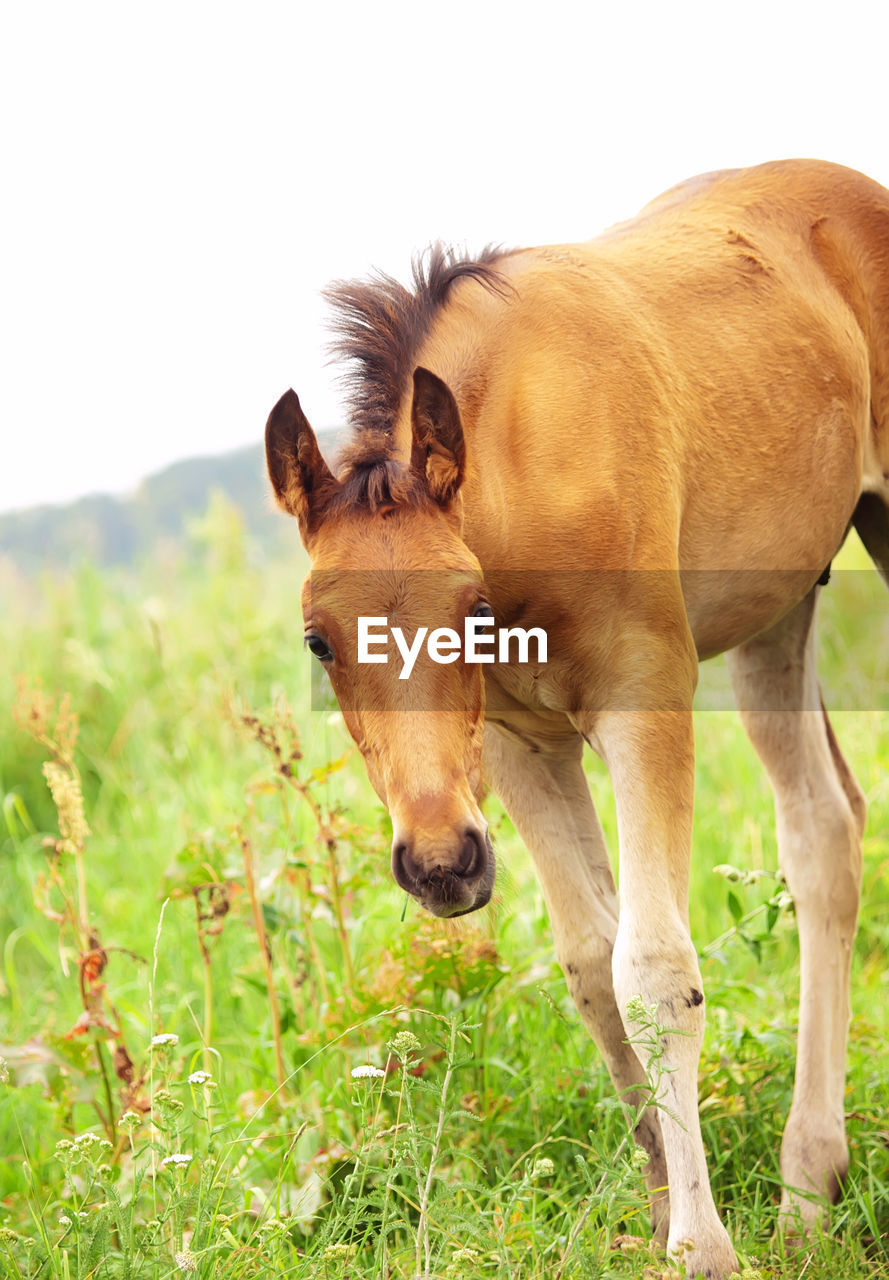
x: 749, y: 556
x: 725, y: 607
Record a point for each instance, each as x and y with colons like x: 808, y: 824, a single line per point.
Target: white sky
x: 181, y: 180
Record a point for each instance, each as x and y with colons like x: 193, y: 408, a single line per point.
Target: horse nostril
x: 472, y: 855
x: 404, y: 868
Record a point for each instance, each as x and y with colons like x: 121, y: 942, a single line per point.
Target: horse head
x: 386, y: 548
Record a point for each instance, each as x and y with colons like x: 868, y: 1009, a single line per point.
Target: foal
x: 648, y: 446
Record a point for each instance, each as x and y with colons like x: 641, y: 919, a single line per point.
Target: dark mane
x: 380, y: 326
x: 372, y: 479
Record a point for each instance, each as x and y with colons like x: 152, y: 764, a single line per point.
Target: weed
x: 294, y: 1127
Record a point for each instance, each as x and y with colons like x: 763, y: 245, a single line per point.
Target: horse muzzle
x: 450, y: 877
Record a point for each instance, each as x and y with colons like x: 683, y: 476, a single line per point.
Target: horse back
x: 697, y: 311
x: 704, y: 387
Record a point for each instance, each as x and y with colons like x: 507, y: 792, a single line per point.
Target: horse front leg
x: 541, y: 782
x: 650, y: 756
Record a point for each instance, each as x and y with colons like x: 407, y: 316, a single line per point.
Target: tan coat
x: 651, y: 445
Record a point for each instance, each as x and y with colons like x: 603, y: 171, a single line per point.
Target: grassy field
x: 230, y: 1049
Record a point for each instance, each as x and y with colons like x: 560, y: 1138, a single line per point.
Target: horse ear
x: 300, y: 477
x: 438, y: 451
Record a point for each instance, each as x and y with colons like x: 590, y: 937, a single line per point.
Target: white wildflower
x: 91, y: 1143
x: 166, y: 1038
x: 367, y: 1073
x: 64, y: 1220
x: 405, y: 1043
x: 272, y: 1225
x: 339, y: 1250
x: 185, y: 1260
x: 466, y: 1255
x: 200, y: 1077
x: 639, y: 1011
x: 178, y: 1160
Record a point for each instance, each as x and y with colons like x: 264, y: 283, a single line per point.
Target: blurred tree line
x: 107, y: 530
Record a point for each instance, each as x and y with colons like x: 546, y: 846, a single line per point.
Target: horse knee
x: 667, y: 978
x: 587, y: 973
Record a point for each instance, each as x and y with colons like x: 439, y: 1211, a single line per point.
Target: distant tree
x: 107, y: 530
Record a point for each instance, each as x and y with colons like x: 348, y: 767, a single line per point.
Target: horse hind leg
x: 820, y: 811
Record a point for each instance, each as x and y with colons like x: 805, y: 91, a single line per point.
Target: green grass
x: 252, y: 915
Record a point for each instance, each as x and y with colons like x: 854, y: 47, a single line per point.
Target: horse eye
x: 320, y: 648
x: 483, y: 610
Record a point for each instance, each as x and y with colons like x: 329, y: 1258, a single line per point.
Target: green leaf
x: 14, y: 808
x: 754, y: 944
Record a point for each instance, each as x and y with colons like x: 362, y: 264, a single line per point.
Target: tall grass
x: 230, y: 1047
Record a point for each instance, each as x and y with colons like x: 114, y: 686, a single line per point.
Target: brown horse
x: 650, y: 445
